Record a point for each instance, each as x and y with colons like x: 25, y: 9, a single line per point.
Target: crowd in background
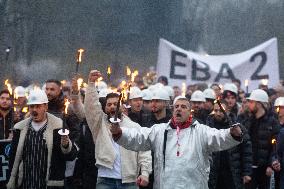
x: 89, y: 157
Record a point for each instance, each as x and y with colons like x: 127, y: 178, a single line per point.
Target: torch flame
x: 25, y: 110
x: 16, y: 94
x: 63, y: 82
x: 273, y: 141
x: 79, y: 83
x: 277, y: 109
x: 183, y: 89
x: 66, y: 106
x: 108, y: 70
x: 128, y: 71
x: 264, y: 82
x: 80, y: 53
x: 246, y: 82
x: 9, y: 87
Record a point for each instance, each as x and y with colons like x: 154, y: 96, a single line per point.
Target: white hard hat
x: 152, y: 88
x: 159, y: 85
x: 258, y: 95
x: 197, y: 96
x: 147, y: 94
x: 104, y: 92
x: 170, y: 90
x: 160, y: 94
x: 209, y: 93
x: 135, y: 92
x: 37, y: 97
x: 279, y: 101
x: 20, y: 91
x: 231, y: 87
x: 101, y: 85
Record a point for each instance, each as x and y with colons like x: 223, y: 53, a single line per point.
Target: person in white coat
x: 182, y: 147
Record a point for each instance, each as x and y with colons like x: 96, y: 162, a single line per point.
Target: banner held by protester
x: 179, y: 65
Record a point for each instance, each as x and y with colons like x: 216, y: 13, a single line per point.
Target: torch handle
x: 77, y: 68
x: 117, y: 107
x: 225, y: 113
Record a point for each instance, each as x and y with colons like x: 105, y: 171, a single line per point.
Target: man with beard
x: 230, y: 96
x: 182, y: 147
x: 136, y: 112
x: 117, y: 167
x: 38, y: 152
x: 197, y: 102
x: 6, y: 114
x: 56, y: 105
x: 262, y: 128
x: 160, y: 113
x: 229, y: 169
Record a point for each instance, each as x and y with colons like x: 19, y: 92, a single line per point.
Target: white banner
x: 179, y: 65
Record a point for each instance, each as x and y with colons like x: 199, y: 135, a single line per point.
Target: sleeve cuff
x: 145, y: 173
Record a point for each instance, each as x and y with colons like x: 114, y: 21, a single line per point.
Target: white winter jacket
x: 190, y: 169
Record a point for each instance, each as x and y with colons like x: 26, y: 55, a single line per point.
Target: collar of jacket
x: 52, y: 124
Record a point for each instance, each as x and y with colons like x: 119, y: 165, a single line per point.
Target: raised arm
x: 93, y: 110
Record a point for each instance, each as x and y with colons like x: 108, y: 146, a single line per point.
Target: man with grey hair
x: 182, y: 147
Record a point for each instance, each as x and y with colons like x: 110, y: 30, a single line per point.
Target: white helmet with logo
x: 231, y: 87
x: 160, y: 94
x: 197, y: 96
x: 147, y: 94
x: 209, y: 93
x: 37, y: 97
x: 135, y: 92
x: 258, y: 95
x: 279, y: 101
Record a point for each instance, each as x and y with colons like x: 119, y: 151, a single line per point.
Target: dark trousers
x: 259, y: 179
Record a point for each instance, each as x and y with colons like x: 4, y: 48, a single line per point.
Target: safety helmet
x: 170, y: 90
x: 258, y: 95
x: 20, y: 91
x: 160, y: 94
x: 135, y: 92
x: 104, y: 92
x: 37, y: 97
x: 279, y: 101
x: 209, y: 93
x: 197, y: 96
x: 231, y: 87
x: 147, y: 94
x: 101, y: 85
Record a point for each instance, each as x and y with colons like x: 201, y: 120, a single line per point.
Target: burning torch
x: 79, y: 59
x: 64, y: 130
x: 246, y: 85
x: 224, y: 112
x: 108, y: 73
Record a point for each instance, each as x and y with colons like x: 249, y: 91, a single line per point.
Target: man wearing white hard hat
x: 160, y: 113
x: 197, y: 102
x: 147, y: 99
x: 136, y: 112
x: 210, y: 97
x: 262, y: 128
x: 38, y: 153
x: 182, y: 147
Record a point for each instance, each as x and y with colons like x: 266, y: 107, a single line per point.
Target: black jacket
x: 261, y: 132
x: 236, y: 161
x: 143, y: 118
x: 85, y: 169
x: 6, y: 124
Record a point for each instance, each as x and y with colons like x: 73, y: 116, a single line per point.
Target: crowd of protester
x: 208, y: 136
